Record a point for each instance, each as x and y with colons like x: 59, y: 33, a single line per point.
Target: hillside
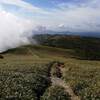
x: 34, y: 72
x: 83, y: 47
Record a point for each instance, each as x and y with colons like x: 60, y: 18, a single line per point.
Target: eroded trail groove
x: 60, y: 82
x: 57, y: 81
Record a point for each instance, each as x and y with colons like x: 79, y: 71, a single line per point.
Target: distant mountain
x: 87, y: 34
x: 84, y: 47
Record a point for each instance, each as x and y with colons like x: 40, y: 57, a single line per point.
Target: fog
x: 14, y: 31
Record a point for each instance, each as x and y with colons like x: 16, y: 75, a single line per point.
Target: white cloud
x: 83, y: 16
x: 24, y: 5
x: 14, y: 31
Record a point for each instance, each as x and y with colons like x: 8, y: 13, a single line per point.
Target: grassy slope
x: 75, y: 71
x: 31, y: 54
x: 28, y: 55
x: 82, y: 47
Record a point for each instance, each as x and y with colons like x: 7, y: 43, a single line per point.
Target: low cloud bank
x: 14, y: 31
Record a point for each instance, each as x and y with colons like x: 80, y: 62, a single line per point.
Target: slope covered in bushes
x: 83, y: 47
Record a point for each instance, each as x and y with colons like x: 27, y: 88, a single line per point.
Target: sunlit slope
x: 34, y: 54
x: 84, y: 47
x: 82, y: 75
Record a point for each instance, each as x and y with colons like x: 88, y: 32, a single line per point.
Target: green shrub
x: 90, y: 93
x: 78, y: 87
x: 38, y: 83
x: 55, y: 93
x: 86, y: 91
x: 24, y: 84
x: 14, y: 87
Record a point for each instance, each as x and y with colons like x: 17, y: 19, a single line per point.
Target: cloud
x: 76, y: 16
x: 71, y: 16
x: 24, y: 5
x: 79, y: 17
x: 14, y: 31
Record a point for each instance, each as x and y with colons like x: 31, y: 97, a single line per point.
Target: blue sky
x: 60, y: 15
x: 52, y: 3
x: 21, y: 19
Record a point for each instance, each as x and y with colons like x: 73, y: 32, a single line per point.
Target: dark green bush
x: 86, y: 91
x: 55, y: 93
x: 78, y: 87
x: 24, y: 84
x: 38, y: 83
x: 14, y: 87
x: 90, y: 93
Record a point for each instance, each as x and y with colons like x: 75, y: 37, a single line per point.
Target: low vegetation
x: 27, y: 84
x: 84, y: 78
x: 56, y: 93
x: 83, y: 47
x: 25, y: 72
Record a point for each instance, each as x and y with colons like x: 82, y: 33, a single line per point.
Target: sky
x: 21, y: 19
x: 58, y: 15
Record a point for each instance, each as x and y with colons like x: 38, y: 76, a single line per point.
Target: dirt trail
x: 58, y: 81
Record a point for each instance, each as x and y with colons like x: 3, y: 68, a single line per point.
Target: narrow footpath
x: 58, y: 81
